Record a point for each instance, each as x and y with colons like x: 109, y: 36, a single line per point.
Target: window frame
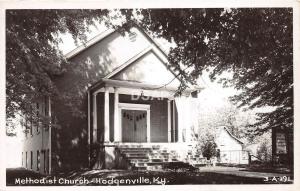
x: 31, y: 160
x: 37, y: 160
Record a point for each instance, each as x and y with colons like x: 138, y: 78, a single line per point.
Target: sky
x: 68, y: 44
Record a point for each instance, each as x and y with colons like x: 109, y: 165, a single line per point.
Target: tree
x: 209, y: 149
x: 206, y: 145
x: 33, y: 58
x: 264, y: 151
x: 216, y: 110
x: 254, y: 44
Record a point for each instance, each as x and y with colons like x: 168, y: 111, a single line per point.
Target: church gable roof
x: 112, y: 54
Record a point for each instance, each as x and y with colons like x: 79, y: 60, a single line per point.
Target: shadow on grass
x: 119, y: 177
x: 13, y: 173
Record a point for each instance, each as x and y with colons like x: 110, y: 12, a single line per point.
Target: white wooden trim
x: 145, y: 86
x: 148, y: 126
x: 127, y: 63
x: 132, y: 106
x: 189, y: 120
x: 106, y: 116
x: 94, y: 118
x: 120, y: 122
x: 180, y: 103
x: 139, y: 91
x: 116, y: 117
x: 169, y: 121
x: 163, y: 57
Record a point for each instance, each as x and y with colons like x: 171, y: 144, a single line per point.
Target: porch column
x: 169, y: 121
x: 117, y: 129
x: 148, y: 126
x: 106, y: 116
x: 189, y: 117
x: 181, y: 113
x: 95, y: 117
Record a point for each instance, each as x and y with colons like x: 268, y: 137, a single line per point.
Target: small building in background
x: 230, y: 148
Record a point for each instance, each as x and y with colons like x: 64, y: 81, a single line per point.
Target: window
x: 30, y: 125
x: 37, y: 160
x: 31, y: 159
x: 132, y: 36
x: 47, y: 160
x: 38, y: 117
x: 44, y: 157
x: 26, y: 126
x: 46, y: 106
x: 37, y: 108
x: 26, y: 159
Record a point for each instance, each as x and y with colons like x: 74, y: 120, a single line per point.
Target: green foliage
x: 255, y: 44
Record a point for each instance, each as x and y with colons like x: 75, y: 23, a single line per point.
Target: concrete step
x: 156, y: 162
x: 148, y: 157
x: 143, y: 168
x: 137, y: 157
x: 163, y: 157
x: 160, y: 155
x: 138, y: 160
x: 133, y: 146
x: 139, y: 146
x: 161, y: 151
x: 135, y: 154
x: 152, y: 160
x: 157, y: 167
x: 135, y: 149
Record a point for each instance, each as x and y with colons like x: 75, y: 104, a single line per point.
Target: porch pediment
x: 148, y: 69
